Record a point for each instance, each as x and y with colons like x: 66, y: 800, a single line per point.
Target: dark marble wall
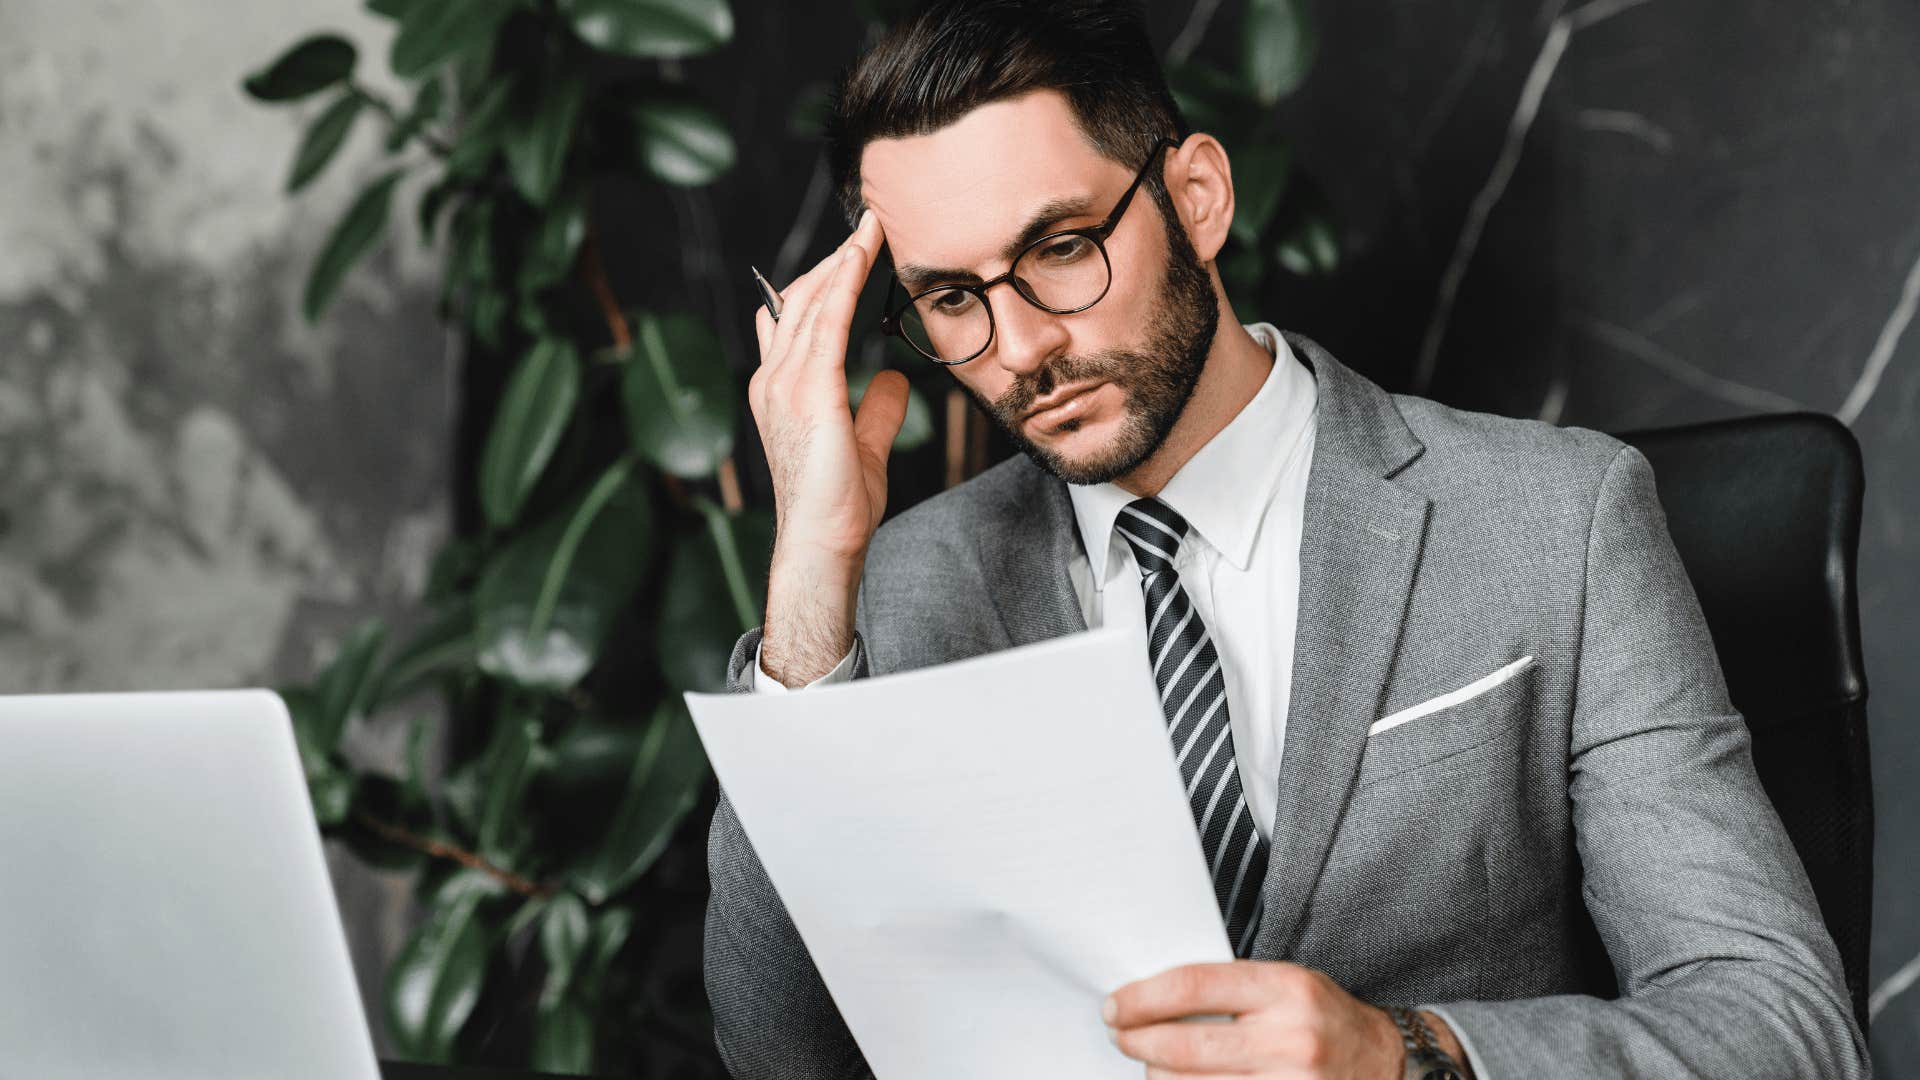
x: 1625, y: 214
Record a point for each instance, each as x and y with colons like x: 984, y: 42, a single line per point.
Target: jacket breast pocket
x: 1449, y: 724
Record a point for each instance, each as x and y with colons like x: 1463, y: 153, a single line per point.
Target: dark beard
x: 1157, y: 380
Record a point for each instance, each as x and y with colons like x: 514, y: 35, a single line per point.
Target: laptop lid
x: 165, y: 909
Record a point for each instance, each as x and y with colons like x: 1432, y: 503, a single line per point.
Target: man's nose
x: 1024, y: 336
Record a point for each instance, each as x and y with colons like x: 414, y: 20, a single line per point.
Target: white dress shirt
x: 1243, y: 496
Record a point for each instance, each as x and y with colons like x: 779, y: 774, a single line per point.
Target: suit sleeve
x: 1724, y: 965
x: 772, y: 1015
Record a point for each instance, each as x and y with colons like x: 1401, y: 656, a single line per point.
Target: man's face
x: 957, y: 198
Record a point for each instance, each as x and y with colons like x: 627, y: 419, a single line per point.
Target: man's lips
x: 1043, y: 411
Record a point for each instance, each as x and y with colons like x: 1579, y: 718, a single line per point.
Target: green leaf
x: 704, y: 608
x: 556, y: 243
x: 434, y: 31
x: 651, y: 29
x: 681, y: 142
x: 678, y: 394
x: 611, y: 932
x: 563, y: 1038
x: 536, y: 132
x: 378, y: 798
x: 488, y: 318
x: 342, y: 690
x: 425, y: 110
x: 419, y: 735
x: 435, y: 980
x: 462, y: 793
x: 303, y: 705
x: 593, y: 753
x: 1260, y: 173
x: 509, y: 767
x: 480, y: 130
x: 564, y: 935
x: 547, y: 600
x: 1310, y: 249
x: 332, y: 794
x: 432, y: 201
x: 1213, y: 100
x: 1277, y: 45
x: 533, y: 414
x: 916, y: 429
x: 357, y: 233
x: 323, y: 139
x: 470, y: 252
x: 664, y: 784
x: 443, y: 645
x: 307, y: 68
x: 1308, y: 242
x: 391, y: 9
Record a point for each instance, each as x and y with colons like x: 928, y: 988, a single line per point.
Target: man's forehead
x: 957, y: 196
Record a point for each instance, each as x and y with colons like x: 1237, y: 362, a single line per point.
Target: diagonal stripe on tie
x: 1193, y: 696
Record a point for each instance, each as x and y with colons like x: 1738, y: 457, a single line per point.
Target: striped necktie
x: 1193, y: 695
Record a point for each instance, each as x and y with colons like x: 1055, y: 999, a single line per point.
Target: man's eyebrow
x: 1039, y: 223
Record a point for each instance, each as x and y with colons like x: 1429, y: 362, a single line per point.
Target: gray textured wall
x: 196, y: 488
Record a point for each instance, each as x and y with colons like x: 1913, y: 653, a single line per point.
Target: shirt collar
x: 1222, y: 491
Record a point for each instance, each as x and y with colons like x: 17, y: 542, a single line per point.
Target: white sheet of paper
x: 976, y: 854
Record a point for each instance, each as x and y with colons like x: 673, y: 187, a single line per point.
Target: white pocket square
x: 1453, y: 697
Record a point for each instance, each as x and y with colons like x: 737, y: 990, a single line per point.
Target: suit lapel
x: 1026, y: 563
x: 1359, y: 550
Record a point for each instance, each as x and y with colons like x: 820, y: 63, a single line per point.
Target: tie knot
x: 1154, y: 531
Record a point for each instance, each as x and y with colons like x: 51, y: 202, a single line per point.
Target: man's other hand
x: 1288, y: 1021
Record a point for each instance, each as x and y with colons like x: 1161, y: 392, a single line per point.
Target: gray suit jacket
x: 1453, y: 860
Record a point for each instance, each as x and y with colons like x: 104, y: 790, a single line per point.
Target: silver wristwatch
x: 1425, y: 1059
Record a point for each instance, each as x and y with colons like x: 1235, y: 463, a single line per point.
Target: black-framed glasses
x: 1062, y: 272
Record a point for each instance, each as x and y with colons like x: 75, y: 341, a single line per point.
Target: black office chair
x: 1765, y: 512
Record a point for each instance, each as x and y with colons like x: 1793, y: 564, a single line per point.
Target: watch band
x: 1425, y: 1059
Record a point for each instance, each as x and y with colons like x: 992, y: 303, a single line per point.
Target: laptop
x: 165, y: 910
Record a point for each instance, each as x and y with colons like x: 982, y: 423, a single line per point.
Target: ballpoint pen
x: 767, y: 295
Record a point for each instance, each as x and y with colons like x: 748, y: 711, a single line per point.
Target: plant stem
x: 433, y: 143
x: 593, y: 272
x: 440, y: 850
x: 721, y: 529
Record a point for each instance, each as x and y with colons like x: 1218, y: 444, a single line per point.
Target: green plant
x: 613, y: 564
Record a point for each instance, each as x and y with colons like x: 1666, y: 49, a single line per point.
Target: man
x: 1436, y: 680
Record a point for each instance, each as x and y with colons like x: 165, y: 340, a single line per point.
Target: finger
x: 1190, y: 990
x: 803, y: 343
x: 834, y: 321
x: 1190, y: 1047
x: 763, y: 330
x: 883, y: 408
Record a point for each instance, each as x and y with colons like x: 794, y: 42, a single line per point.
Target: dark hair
x: 956, y: 55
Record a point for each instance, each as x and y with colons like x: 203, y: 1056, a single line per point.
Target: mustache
x: 1111, y: 365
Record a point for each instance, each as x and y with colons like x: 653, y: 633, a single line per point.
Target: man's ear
x: 1200, y: 179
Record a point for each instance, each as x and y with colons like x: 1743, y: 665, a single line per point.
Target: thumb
x: 883, y: 409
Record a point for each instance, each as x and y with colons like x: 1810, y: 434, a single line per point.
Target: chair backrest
x: 1765, y: 512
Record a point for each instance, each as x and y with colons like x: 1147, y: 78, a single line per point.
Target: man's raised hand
x: 829, y: 466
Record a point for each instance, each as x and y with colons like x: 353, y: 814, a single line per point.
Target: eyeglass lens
x: 1060, y: 274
